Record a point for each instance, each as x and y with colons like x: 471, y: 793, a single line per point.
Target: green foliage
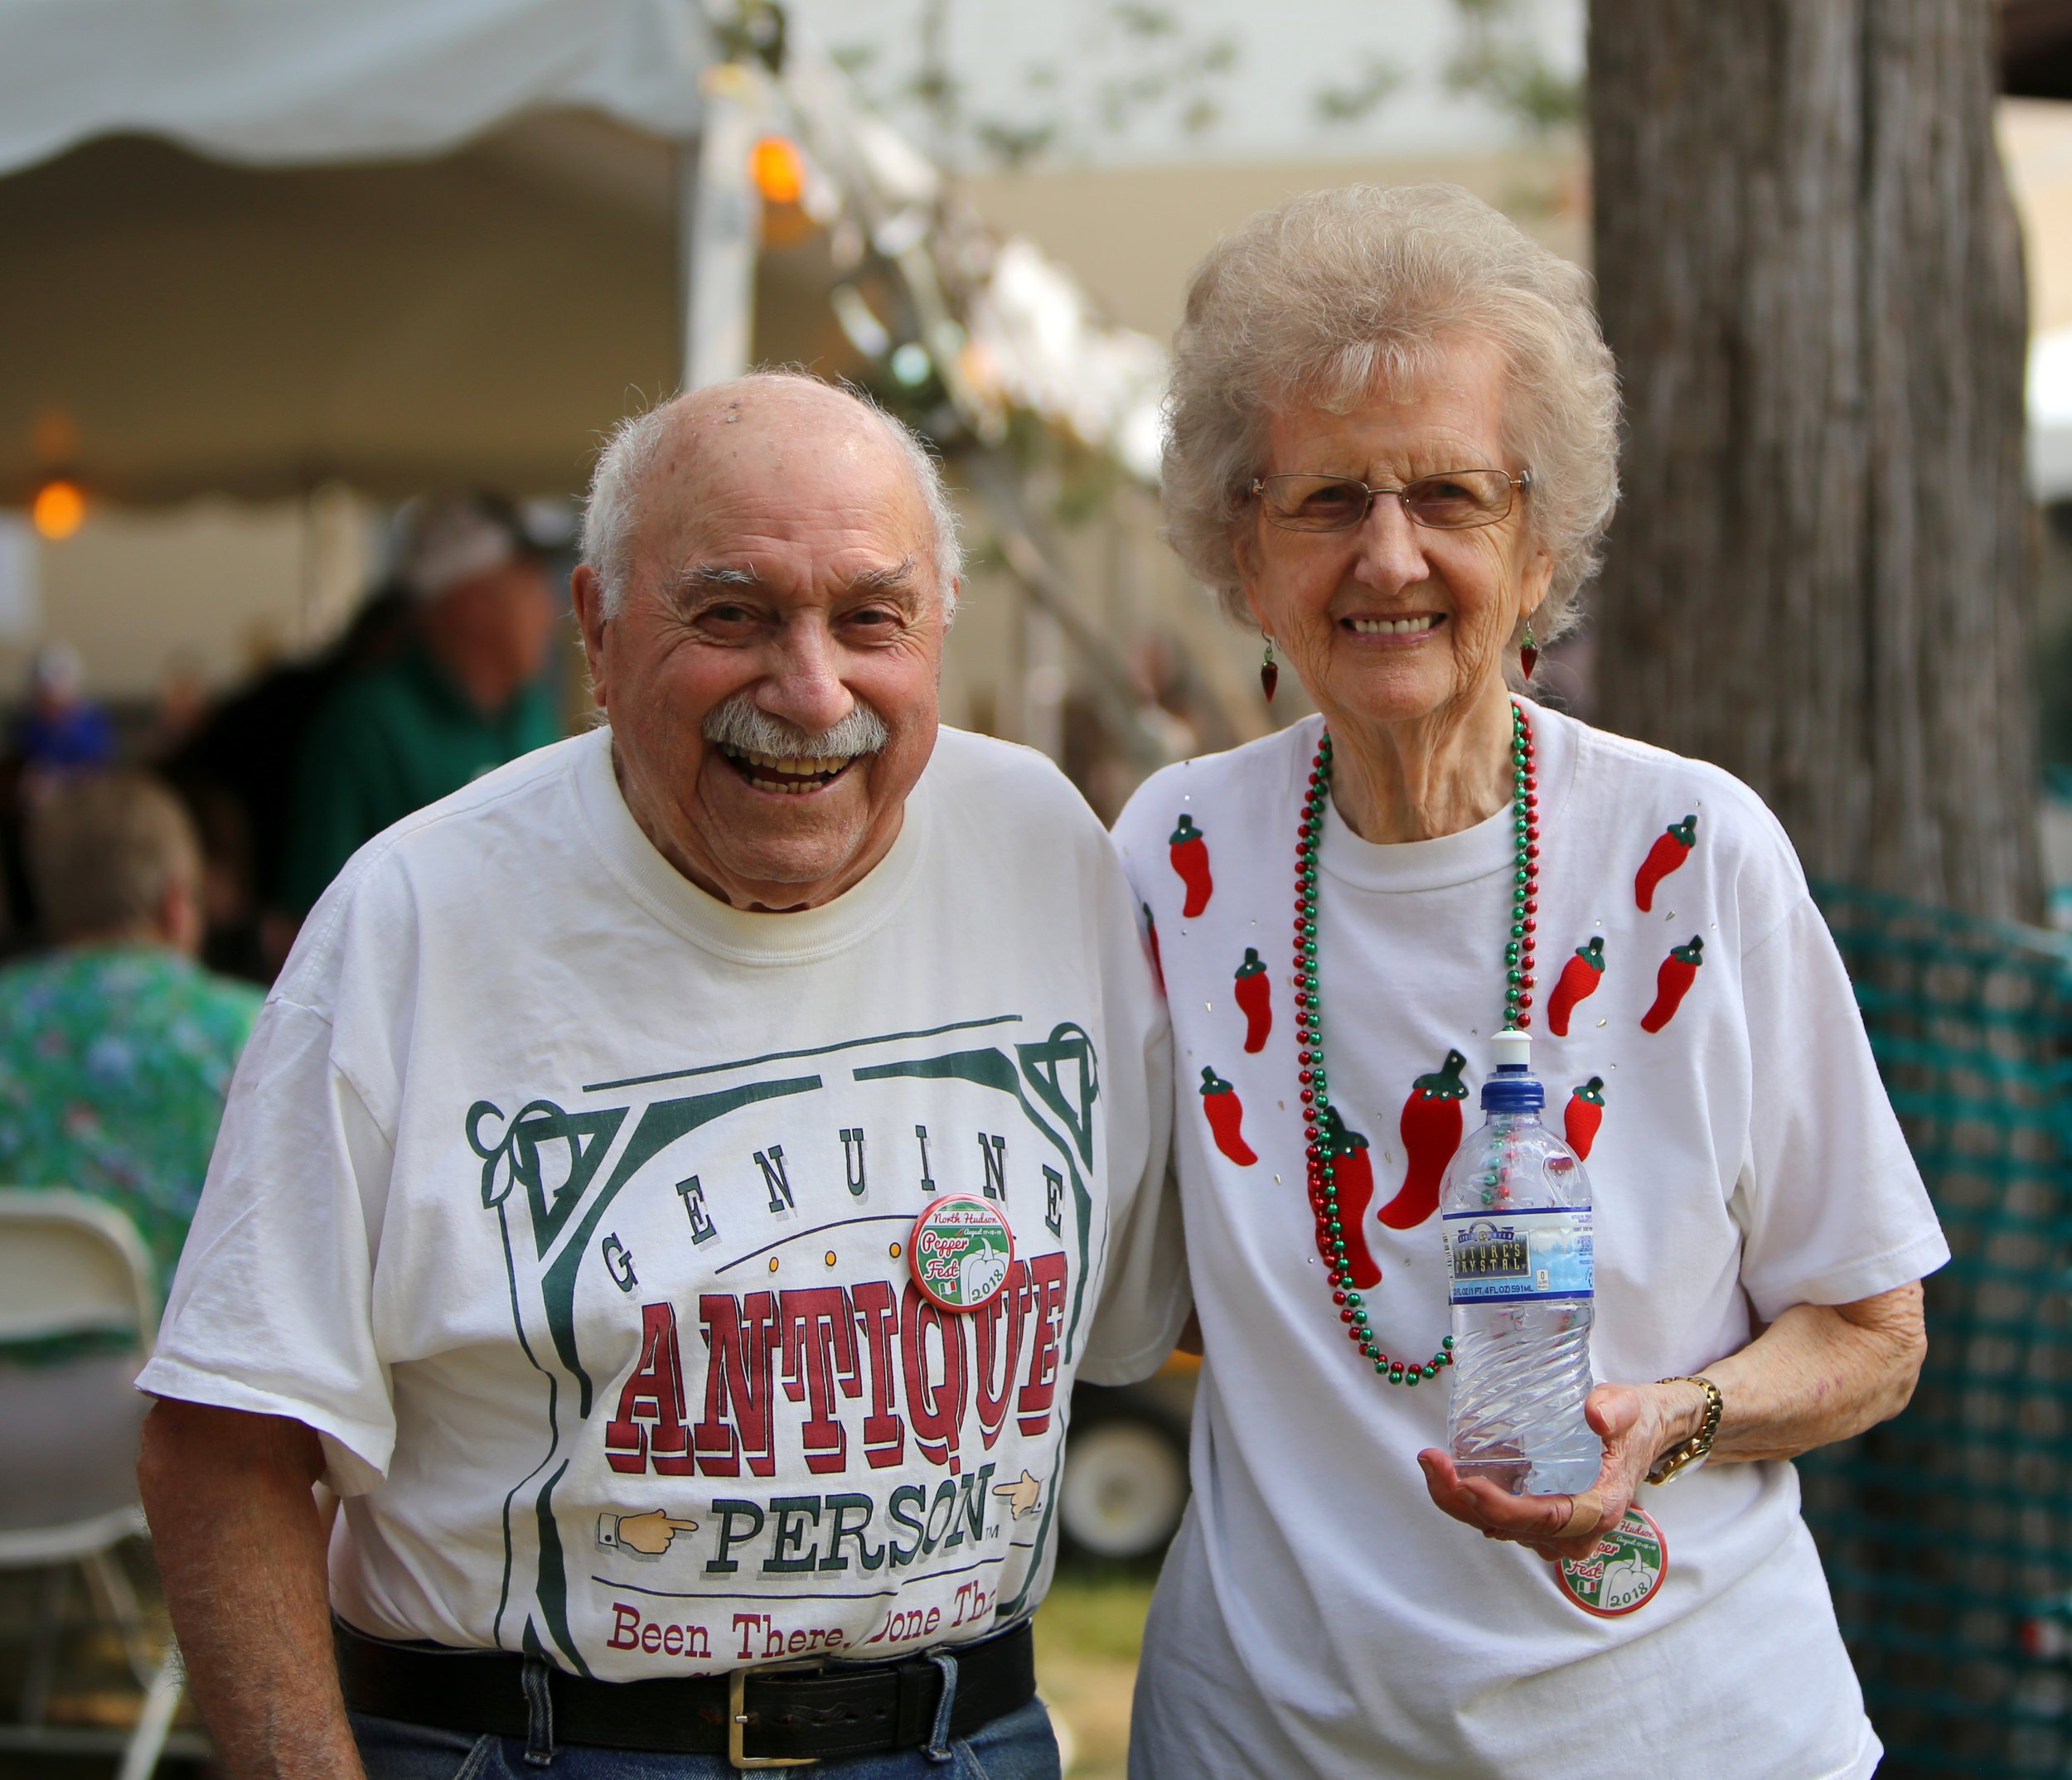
x: 1012, y: 145
x: 1147, y: 21
x: 1499, y: 60
x: 1131, y: 61
x: 1164, y: 66
x: 1377, y: 81
x: 756, y: 32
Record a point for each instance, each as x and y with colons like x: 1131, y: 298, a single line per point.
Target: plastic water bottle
x: 1517, y: 1217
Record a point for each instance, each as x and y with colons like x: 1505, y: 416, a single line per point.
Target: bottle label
x: 1506, y: 1257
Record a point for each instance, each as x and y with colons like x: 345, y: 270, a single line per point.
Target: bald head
x: 710, y: 430
x: 768, y: 570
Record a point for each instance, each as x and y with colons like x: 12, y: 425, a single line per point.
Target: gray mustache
x: 739, y: 724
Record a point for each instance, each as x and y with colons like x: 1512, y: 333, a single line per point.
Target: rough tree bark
x: 1811, y: 273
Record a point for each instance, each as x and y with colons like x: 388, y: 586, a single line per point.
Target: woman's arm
x: 1820, y: 1372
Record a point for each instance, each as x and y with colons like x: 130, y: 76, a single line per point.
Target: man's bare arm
x: 241, y: 1549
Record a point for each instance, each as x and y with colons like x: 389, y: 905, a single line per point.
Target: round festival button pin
x: 1624, y: 1573
x: 960, y: 1252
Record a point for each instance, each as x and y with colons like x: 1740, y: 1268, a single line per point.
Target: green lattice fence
x: 1948, y: 1533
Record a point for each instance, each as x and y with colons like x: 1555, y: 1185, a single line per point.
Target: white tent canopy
x: 285, y: 83
x: 254, y: 245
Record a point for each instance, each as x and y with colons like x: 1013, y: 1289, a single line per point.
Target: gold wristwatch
x: 1680, y: 1457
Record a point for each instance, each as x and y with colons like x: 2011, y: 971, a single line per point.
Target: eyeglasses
x: 1452, y: 501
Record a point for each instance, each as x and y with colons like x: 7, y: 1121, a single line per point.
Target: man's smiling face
x: 771, y: 673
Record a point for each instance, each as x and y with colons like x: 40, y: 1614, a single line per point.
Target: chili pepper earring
x: 1269, y: 672
x: 1528, y: 652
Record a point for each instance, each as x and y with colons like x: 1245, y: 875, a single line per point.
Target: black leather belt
x: 777, y: 1716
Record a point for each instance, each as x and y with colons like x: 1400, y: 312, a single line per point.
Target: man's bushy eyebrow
x: 897, y: 579
x: 717, y: 575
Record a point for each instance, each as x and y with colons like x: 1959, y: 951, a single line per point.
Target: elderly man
x: 668, y: 1192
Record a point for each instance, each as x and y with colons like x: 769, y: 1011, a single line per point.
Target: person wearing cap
x: 465, y: 696
x: 669, y: 1189
x: 60, y: 734
x: 62, y: 731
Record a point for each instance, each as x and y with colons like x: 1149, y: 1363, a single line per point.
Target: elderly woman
x: 1392, y: 450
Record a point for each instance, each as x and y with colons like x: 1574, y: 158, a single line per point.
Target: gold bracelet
x: 1679, y: 1458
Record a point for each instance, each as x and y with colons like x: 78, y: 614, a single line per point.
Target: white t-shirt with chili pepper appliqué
x: 1700, y: 1045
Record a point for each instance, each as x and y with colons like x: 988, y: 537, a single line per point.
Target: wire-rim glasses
x: 1448, y: 500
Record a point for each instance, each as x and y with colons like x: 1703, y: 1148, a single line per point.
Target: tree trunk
x: 1811, y: 273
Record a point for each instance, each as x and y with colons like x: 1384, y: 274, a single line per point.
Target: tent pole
x: 719, y: 225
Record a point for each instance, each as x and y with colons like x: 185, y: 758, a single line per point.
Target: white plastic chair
x: 68, y: 1266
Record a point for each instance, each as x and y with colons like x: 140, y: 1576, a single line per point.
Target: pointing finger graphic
x: 650, y: 1533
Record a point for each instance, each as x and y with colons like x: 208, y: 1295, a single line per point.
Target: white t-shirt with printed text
x: 572, y: 1208
x: 1317, y: 1615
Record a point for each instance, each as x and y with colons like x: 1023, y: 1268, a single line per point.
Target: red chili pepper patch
x: 1673, y: 983
x: 1585, y: 1114
x: 1151, y: 933
x: 1580, y: 979
x: 1353, y: 1170
x: 1673, y: 847
x: 1190, y: 859
x: 1430, y: 1128
x: 1255, y: 1000
x: 1226, y: 1114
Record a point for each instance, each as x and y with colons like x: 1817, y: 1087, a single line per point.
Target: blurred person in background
x: 463, y: 697
x: 62, y: 731
x: 182, y: 703
x: 116, y: 1047
x: 237, y: 770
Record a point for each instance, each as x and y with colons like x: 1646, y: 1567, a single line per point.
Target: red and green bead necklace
x: 1517, y: 1006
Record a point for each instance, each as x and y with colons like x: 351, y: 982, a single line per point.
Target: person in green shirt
x: 463, y: 697
x: 116, y: 1047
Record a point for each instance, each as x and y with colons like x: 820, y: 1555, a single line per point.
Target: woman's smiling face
x: 1391, y: 622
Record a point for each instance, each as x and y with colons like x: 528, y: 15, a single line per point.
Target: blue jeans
x: 1018, y: 1745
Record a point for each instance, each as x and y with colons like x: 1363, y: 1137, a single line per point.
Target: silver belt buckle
x: 738, y: 1719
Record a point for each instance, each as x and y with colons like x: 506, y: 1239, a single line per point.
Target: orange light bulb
x: 59, y: 509
x: 778, y: 169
